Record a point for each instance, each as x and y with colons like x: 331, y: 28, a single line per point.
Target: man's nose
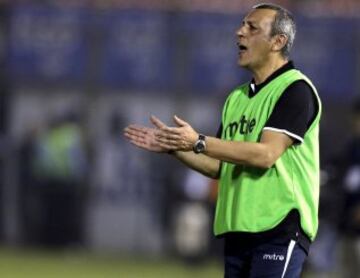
x: 240, y: 32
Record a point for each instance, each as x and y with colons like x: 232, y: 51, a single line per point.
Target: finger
x: 138, y: 139
x: 156, y: 122
x: 168, y: 142
x: 137, y: 128
x: 179, y: 121
x: 167, y: 147
x: 135, y: 138
x: 134, y: 133
x: 167, y: 134
x: 139, y: 144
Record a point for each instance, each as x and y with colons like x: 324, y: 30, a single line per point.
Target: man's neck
x: 262, y: 73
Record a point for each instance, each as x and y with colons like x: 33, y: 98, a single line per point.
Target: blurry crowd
x: 83, y: 186
x: 337, y: 247
x: 53, y: 165
x: 312, y: 8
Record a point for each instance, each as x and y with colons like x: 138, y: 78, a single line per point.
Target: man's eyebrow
x: 249, y: 22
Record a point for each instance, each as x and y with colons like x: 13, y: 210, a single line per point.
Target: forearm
x: 243, y: 153
x: 206, y: 165
x: 262, y: 154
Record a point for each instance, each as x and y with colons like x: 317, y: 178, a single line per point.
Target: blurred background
x: 77, y: 200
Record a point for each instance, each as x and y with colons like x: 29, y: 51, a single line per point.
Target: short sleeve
x: 219, y: 131
x: 294, y: 111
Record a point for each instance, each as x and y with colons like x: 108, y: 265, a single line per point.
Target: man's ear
x: 279, y: 41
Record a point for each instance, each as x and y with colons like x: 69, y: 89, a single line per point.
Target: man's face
x: 254, y: 40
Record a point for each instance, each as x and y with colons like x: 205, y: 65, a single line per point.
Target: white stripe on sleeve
x: 292, y: 135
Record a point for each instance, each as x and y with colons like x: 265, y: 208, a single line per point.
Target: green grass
x: 17, y: 263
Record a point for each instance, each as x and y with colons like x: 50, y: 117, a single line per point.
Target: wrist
x: 200, y: 144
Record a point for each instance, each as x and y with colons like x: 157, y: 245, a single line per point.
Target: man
x: 266, y: 155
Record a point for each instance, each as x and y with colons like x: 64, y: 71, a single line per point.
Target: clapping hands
x: 162, y: 138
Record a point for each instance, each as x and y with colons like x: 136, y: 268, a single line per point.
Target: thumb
x: 179, y: 121
x: 156, y: 122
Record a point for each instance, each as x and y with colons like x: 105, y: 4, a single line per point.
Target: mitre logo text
x: 243, y: 126
x: 273, y: 257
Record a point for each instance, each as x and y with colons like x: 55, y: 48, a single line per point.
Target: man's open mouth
x: 242, y: 47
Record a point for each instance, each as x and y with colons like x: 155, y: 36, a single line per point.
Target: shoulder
x: 299, y: 92
x: 294, y: 111
x: 300, y: 84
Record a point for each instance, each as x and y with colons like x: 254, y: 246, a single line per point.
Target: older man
x: 266, y: 154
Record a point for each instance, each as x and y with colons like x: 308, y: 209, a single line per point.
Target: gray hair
x: 284, y: 24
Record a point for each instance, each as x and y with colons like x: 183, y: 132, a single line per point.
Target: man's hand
x: 162, y: 138
x: 180, y: 138
x: 143, y: 137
